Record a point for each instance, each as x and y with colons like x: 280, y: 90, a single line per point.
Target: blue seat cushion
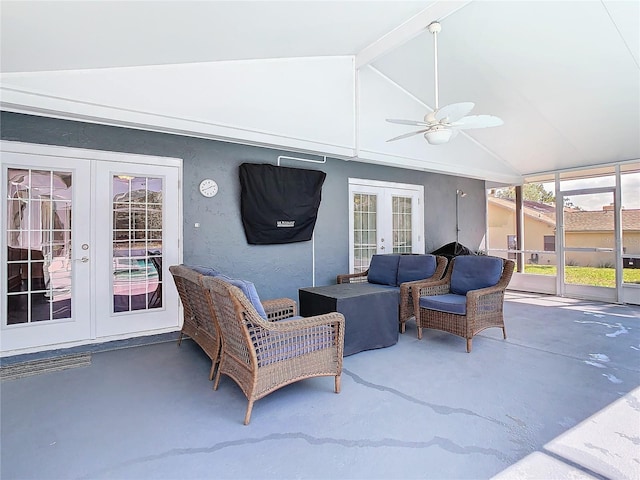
x: 288, y: 319
x: 383, y: 269
x: 208, y: 271
x: 415, y: 267
x: 249, y: 290
x: 471, y: 272
x: 448, y: 303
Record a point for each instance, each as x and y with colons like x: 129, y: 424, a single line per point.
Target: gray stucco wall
x: 277, y: 270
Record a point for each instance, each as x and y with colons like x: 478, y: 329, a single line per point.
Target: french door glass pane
x: 402, y: 228
x: 365, y: 230
x: 137, y: 243
x: 39, y: 245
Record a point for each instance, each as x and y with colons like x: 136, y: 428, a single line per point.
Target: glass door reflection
x: 137, y: 243
x: 39, y: 273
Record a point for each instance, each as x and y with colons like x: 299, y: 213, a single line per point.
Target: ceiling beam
x: 408, y: 30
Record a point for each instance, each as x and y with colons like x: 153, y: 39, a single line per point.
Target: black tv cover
x: 279, y: 204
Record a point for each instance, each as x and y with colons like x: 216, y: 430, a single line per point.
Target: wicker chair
x: 200, y: 322
x: 453, y: 305
x: 406, y: 310
x: 262, y: 356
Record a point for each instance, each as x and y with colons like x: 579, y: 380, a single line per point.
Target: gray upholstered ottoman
x: 370, y: 312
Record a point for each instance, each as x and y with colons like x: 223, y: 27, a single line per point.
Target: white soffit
x: 300, y: 103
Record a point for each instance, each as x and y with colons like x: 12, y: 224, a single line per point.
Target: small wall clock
x: 208, y: 187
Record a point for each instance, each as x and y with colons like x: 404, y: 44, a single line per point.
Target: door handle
x: 382, y: 247
x: 83, y: 259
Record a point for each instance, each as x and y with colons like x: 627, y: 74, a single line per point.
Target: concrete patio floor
x: 558, y: 399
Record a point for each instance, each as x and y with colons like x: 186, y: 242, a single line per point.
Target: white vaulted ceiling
x: 322, y: 76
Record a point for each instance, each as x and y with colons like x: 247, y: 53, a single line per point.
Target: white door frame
x: 377, y: 187
x: 31, y: 153
x: 605, y: 294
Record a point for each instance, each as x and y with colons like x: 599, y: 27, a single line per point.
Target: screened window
x: 549, y: 243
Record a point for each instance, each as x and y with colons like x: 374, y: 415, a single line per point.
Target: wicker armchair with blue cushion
x: 467, y: 300
x: 200, y: 322
x: 262, y: 356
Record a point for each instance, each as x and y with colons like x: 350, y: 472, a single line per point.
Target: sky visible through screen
x: 592, y: 202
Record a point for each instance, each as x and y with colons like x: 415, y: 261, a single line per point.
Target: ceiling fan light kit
x: 443, y: 124
x: 438, y: 136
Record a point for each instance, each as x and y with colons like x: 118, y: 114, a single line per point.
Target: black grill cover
x: 279, y: 204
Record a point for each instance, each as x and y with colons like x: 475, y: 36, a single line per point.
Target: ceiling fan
x: 443, y: 124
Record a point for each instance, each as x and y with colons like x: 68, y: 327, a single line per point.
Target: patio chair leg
x: 469, y: 340
x: 180, y: 339
x: 247, y: 417
x: 213, y: 367
x: 337, y: 386
x: 419, y: 332
x: 504, y: 333
x: 217, y: 382
x: 402, y: 326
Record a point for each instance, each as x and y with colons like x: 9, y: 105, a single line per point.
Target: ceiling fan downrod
x: 435, y: 28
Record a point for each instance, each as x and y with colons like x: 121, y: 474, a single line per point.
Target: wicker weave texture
x: 484, y: 307
x: 353, y: 277
x: 199, y: 319
x: 280, y: 308
x: 406, y: 298
x: 262, y: 356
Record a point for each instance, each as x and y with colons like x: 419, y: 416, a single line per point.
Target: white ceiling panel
x: 68, y: 35
x: 547, y: 68
x: 563, y: 75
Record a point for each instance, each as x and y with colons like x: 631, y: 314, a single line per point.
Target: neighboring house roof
x: 546, y: 209
x: 583, y: 221
x: 574, y: 220
x: 535, y: 210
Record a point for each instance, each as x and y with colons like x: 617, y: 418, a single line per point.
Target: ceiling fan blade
x: 478, y: 121
x: 407, y: 122
x: 454, y: 112
x: 407, y: 135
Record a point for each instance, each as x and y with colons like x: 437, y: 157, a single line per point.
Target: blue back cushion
x: 415, y: 267
x: 383, y: 269
x: 471, y: 272
x: 208, y: 271
x: 249, y: 290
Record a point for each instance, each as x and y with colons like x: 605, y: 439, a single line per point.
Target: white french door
x: 88, y: 238
x: 45, y: 280
x: 137, y: 237
x: 384, y: 217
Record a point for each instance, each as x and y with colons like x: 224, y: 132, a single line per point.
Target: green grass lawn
x: 601, y: 277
